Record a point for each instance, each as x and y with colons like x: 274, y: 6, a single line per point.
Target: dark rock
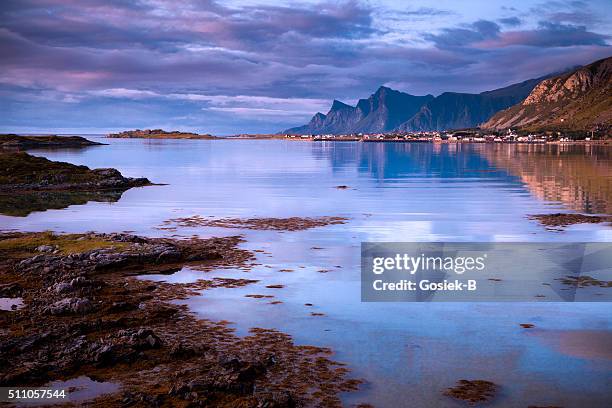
x: 122, y: 307
x: 142, y: 339
x: 279, y: 399
x: 473, y: 391
x: 142, y: 399
x: 13, y: 141
x: 108, y: 173
x: 169, y: 255
x: 182, y: 351
x: 11, y: 290
x: 70, y: 306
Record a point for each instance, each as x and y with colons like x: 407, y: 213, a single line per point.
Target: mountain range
x: 383, y: 111
x: 390, y: 110
x: 579, y: 100
x: 387, y: 110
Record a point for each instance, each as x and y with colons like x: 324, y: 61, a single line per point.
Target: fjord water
x: 407, y: 353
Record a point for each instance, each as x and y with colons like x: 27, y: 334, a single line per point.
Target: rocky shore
x: 13, y: 141
x: 24, y: 172
x: 29, y: 183
x: 85, y: 313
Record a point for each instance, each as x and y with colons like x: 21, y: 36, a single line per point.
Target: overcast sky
x: 92, y: 66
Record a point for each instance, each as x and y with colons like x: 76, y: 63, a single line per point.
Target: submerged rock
x: 558, y: 221
x: 473, y: 391
x: 275, y: 224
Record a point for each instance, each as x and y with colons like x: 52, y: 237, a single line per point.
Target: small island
x: 18, y: 142
x: 159, y: 134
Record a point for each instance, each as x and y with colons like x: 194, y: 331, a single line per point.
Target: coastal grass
x: 65, y: 244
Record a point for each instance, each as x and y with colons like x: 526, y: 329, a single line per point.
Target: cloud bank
x: 233, y: 67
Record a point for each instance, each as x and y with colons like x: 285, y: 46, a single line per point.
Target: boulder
x: 70, y: 306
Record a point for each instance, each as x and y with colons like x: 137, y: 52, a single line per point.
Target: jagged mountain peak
x: 384, y: 90
x: 336, y: 105
x: 382, y: 111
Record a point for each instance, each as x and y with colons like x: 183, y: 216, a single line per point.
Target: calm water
x: 398, y: 192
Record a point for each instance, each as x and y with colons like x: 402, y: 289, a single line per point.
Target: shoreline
x: 73, y: 141
x: 361, y: 140
x: 229, y: 138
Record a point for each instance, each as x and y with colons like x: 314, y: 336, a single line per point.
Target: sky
x: 97, y: 66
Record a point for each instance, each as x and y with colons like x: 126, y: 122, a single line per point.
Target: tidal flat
x: 85, y: 314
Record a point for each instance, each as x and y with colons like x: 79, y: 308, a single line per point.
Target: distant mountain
x: 453, y: 110
x: 577, y: 100
x: 388, y: 110
x: 383, y: 111
x: 341, y: 116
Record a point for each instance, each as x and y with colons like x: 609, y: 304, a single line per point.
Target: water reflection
x: 390, y: 161
x: 21, y: 204
x: 579, y: 176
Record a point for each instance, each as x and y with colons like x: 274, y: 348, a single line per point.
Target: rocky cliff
x: 577, y: 100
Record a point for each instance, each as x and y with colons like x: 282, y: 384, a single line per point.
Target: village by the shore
x: 461, y: 136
